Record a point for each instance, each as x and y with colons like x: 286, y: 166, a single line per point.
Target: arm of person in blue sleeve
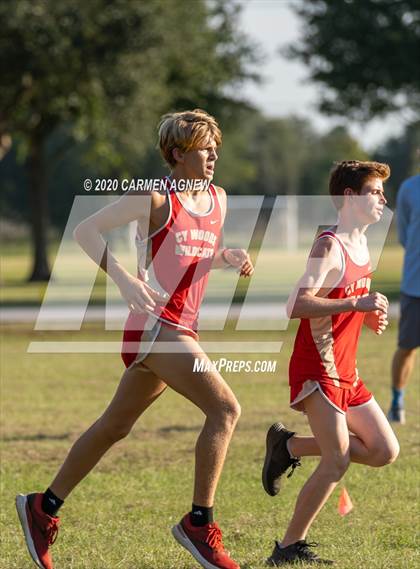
x: 403, y: 214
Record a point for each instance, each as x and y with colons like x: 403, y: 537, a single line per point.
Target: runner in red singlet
x: 325, y: 348
x: 333, y: 302
x: 178, y: 241
x: 178, y: 257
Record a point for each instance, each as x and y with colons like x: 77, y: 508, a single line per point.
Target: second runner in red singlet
x: 324, y: 354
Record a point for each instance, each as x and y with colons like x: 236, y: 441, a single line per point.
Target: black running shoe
x: 277, y: 458
x: 299, y: 552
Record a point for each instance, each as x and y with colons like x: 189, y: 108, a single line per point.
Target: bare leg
x: 212, y: 395
x: 370, y: 426
x: 330, y: 430
x: 372, y: 441
x: 136, y: 391
x: 402, y: 367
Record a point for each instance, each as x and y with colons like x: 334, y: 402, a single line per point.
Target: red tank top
x: 178, y: 258
x: 325, y: 348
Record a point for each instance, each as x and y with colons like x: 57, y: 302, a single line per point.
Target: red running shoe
x: 39, y: 528
x: 204, y: 544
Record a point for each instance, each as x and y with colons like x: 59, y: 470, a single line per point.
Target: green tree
x: 334, y: 146
x: 363, y: 52
x: 236, y: 168
x: 281, y: 150
x: 272, y: 156
x: 102, y: 72
x: 402, y: 154
x: 263, y: 155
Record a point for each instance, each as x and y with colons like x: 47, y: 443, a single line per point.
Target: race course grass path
x: 121, y: 515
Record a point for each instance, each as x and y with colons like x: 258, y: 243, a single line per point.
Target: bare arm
x: 323, y: 270
x: 237, y: 258
x: 88, y: 234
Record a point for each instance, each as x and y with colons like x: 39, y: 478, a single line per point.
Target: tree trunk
x: 38, y: 205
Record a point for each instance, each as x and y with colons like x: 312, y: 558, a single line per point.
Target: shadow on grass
x: 36, y: 437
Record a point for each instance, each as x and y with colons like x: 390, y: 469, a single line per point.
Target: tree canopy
x: 402, y: 154
x: 103, y: 72
x: 363, y: 52
x: 108, y: 69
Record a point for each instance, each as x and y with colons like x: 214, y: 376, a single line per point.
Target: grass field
x: 120, y: 516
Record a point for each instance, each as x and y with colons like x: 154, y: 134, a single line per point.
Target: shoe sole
x: 271, y: 563
x: 183, y: 539
x: 21, y: 502
x: 269, y: 446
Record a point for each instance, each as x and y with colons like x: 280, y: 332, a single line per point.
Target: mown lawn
x: 120, y: 516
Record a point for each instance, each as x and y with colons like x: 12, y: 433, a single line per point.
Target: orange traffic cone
x: 345, y: 505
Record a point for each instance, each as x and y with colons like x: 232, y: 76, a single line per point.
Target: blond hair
x: 186, y: 130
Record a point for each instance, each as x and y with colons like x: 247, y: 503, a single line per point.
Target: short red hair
x: 354, y: 174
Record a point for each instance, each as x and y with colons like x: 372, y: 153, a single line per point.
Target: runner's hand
x: 376, y: 321
x: 239, y: 259
x: 139, y: 296
x: 372, y: 302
